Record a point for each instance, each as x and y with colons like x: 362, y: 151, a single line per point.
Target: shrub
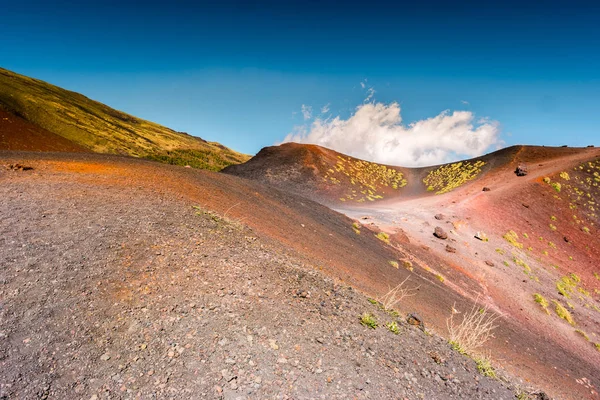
x: 393, y: 327
x: 472, y: 331
x: 384, y: 237
x: 563, y: 313
x: 368, y: 320
x: 397, y: 294
x: 394, y: 263
x: 541, y: 301
x: 484, y: 366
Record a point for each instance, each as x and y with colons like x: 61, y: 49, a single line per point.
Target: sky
x: 400, y: 83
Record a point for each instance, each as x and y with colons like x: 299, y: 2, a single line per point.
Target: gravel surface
x: 115, y: 293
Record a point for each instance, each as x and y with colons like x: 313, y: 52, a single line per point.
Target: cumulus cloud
x: 376, y: 132
x: 306, y: 112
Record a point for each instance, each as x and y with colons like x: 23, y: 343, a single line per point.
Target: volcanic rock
x: 440, y: 233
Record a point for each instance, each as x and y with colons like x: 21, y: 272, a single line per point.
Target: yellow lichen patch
x: 449, y: 177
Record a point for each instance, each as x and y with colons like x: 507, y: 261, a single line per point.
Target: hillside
x: 124, y: 278
x: 527, y: 246
x: 101, y: 129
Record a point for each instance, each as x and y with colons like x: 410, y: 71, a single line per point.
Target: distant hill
x: 92, y: 125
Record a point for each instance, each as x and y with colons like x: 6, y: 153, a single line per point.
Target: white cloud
x: 370, y: 94
x: 363, y: 84
x: 465, y: 102
x: 325, y: 108
x: 306, y: 112
x: 375, y: 132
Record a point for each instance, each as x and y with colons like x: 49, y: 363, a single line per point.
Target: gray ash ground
x: 112, y: 293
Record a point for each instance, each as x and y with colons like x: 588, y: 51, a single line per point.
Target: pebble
x: 105, y: 357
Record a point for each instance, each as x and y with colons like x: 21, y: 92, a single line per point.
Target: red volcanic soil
x: 18, y: 134
x: 557, y: 240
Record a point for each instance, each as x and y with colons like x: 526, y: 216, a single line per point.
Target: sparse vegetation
x: 583, y: 334
x: 475, y: 328
x: 384, y: 237
x: 541, y: 300
x: 367, y: 180
x: 440, y: 278
x: 484, y: 366
x: 449, y: 177
x: 563, y: 313
x: 394, y: 263
x: 369, y: 320
x: 356, y: 228
x: 395, y: 295
x: 512, y: 237
x: 393, y: 327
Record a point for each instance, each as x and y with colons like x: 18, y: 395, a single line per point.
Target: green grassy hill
x: 102, y: 129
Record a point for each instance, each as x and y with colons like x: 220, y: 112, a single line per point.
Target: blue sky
x: 239, y: 73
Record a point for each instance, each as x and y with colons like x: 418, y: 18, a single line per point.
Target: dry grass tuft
x: 396, y: 294
x: 472, y: 331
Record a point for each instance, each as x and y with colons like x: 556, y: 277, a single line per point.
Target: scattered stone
x: 566, y: 239
x: 486, y: 189
x: 414, y: 319
x: 19, y: 167
x: 525, y: 205
x: 488, y: 262
x: 227, y: 375
x: 105, y: 357
x: 439, y: 217
x: 304, y: 294
x: 450, y: 249
x: 481, y: 236
x: 273, y: 344
x: 540, y: 396
x: 436, y: 357
x: 440, y: 233
x: 521, y: 170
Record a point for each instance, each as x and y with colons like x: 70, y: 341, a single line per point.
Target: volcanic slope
x: 124, y: 278
x: 94, y: 126
x: 527, y: 246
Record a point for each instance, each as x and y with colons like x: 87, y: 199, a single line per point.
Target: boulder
x: 414, y: 319
x: 440, y: 233
x: 521, y: 170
